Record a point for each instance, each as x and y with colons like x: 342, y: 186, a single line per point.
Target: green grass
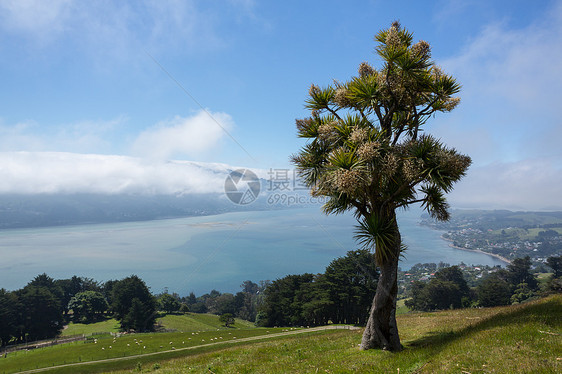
x: 199, y: 322
x: 109, y: 325
x: 543, y: 277
x: 192, y: 330
x: 526, y: 338
x: 107, y: 347
x: 520, y: 339
x: 179, y: 322
x: 401, y: 307
x: 524, y: 234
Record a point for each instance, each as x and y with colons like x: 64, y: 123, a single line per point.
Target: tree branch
x: 423, y: 112
x: 417, y: 123
x: 410, y: 202
x: 399, y: 132
x: 363, y: 114
x: 378, y: 113
x: 334, y: 113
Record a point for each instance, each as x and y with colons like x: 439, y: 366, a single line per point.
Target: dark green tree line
x: 41, y: 308
x: 350, y: 284
x: 506, y: 286
x: 342, y: 294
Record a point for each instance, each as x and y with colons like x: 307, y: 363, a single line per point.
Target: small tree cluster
x: 555, y: 281
x: 88, y: 306
x: 169, y: 303
x: 227, y: 319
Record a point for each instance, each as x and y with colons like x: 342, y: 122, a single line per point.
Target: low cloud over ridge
x: 60, y: 172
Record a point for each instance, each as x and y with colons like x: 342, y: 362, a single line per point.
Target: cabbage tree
x: 367, y: 152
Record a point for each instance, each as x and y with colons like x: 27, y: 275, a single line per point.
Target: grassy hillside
x: 519, y: 339
x: 179, y: 322
x: 110, y: 325
x: 199, y: 322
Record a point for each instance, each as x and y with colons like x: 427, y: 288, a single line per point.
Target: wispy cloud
x: 42, y: 20
x: 120, y: 30
x: 511, y: 88
x: 191, y: 136
x: 508, y: 120
x: 85, y: 136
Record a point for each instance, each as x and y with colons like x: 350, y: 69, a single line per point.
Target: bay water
x: 198, y: 254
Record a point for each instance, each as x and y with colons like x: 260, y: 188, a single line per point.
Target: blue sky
x: 106, y: 90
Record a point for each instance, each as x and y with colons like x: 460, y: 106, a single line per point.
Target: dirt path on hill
x: 233, y: 341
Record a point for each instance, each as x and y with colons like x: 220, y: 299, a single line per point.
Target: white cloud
x: 183, y: 136
x: 518, y: 65
x: 58, y: 172
x: 194, y: 136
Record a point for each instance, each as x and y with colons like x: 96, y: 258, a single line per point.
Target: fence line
x: 42, y: 343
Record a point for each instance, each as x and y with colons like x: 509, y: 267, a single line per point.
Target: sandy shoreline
x: 499, y: 257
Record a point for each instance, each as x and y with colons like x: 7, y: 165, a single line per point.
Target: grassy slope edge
x: 525, y: 338
x: 179, y: 322
x: 515, y: 339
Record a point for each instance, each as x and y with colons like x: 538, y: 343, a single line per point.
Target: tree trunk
x: 381, y: 330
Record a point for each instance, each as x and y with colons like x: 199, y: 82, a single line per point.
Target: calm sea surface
x: 201, y: 253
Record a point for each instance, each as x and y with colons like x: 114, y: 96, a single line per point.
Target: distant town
x: 504, y: 234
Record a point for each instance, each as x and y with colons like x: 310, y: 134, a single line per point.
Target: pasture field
x: 104, y: 347
x: 525, y: 338
x: 109, y: 325
x: 199, y: 322
x: 180, y: 322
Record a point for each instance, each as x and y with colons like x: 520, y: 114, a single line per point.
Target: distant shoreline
x: 499, y: 257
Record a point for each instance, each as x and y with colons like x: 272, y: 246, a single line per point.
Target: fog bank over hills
x: 56, y: 188
x: 74, y: 173
x: 59, y: 188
